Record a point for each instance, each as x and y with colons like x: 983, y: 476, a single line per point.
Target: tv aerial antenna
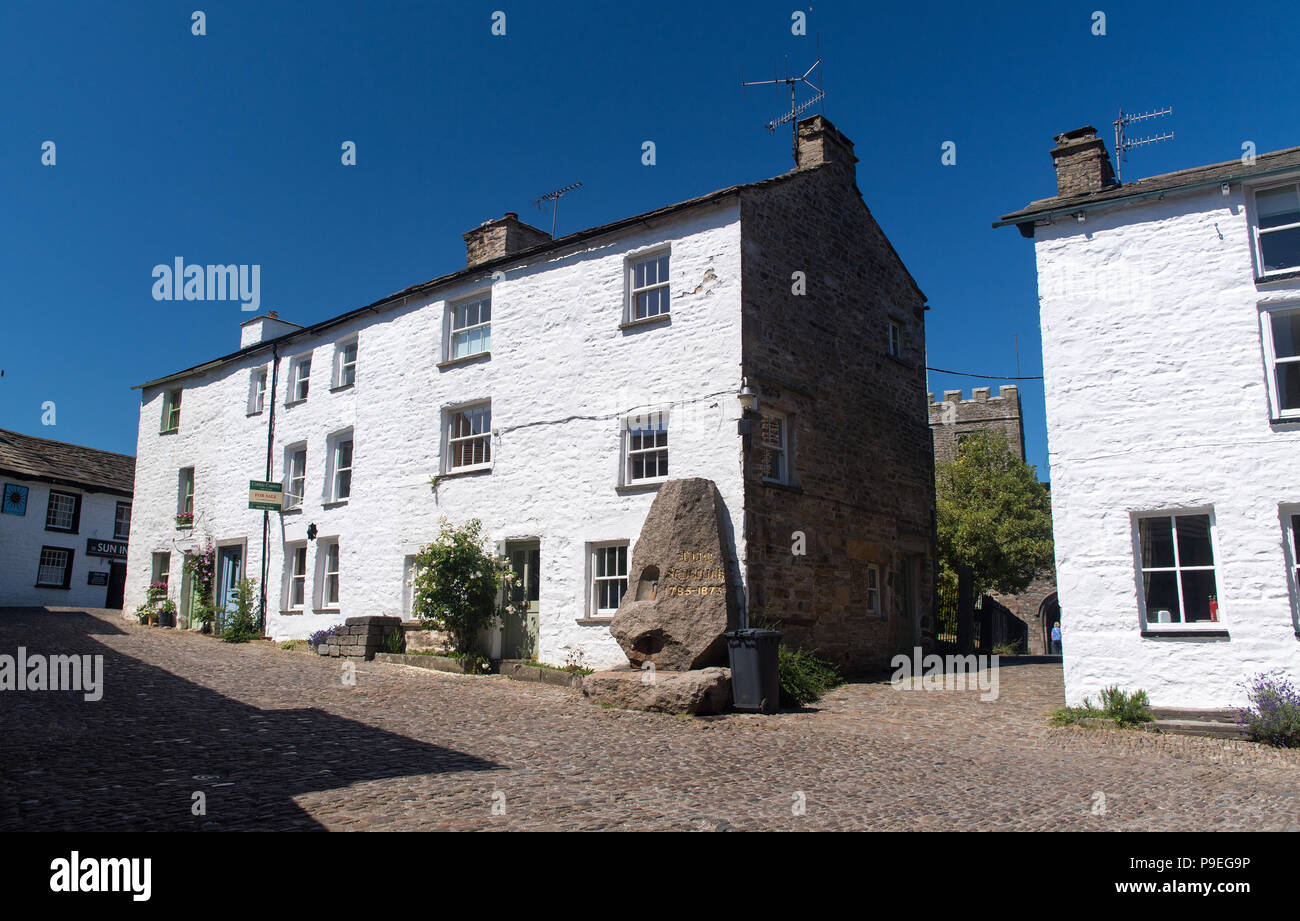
x: 797, y: 108
x: 554, y: 199
x: 1122, y: 141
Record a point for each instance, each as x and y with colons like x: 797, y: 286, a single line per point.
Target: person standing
x: 1056, y: 638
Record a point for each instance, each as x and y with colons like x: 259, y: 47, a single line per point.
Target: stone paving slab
x: 276, y: 740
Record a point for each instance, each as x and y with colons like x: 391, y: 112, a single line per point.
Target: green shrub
x: 1124, y: 708
x: 456, y: 584
x: 1273, y: 716
x: 804, y: 677
x: 394, y: 642
x: 242, y: 627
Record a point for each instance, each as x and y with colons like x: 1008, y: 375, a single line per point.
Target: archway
x: 1049, y: 612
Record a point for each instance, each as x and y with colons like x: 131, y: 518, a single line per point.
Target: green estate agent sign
x: 264, y: 495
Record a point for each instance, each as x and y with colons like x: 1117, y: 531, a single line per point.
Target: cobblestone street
x: 275, y: 740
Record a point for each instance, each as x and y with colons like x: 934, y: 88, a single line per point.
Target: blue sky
x: 225, y: 148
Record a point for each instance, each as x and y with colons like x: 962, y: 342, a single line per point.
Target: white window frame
x: 295, y: 471
x: 454, y: 332
x: 1290, y: 515
x: 874, y: 590
x: 894, y: 341
x: 452, y: 440
x: 171, y: 412
x: 1257, y: 232
x: 72, y: 513
x: 633, y: 290
x: 345, y: 370
x: 299, y: 383
x: 118, y: 532
x: 324, y: 574
x: 336, y: 468
x: 781, y: 448
x: 628, y: 452
x: 1182, y: 625
x: 64, y: 569
x: 1271, y: 360
x: 257, y: 391
x: 160, y: 562
x: 295, y: 577
x: 594, y: 610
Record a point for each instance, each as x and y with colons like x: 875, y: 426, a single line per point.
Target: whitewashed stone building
x: 547, y: 388
x: 1170, y: 312
x: 65, y: 523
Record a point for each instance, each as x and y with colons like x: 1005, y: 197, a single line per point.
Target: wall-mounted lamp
x: 311, y: 531
x: 748, y: 398
x: 1225, y: 189
x: 1080, y: 216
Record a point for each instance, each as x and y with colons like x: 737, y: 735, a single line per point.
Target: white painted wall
x: 23, y: 536
x: 557, y: 353
x: 1157, y: 399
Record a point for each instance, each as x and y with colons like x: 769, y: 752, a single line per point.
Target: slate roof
x: 66, y: 465
x: 485, y: 268
x: 1214, y: 174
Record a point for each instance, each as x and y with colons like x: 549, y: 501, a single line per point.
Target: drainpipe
x: 270, y: 444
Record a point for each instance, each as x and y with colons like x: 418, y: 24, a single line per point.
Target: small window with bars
x: 469, y: 436
x: 645, y: 441
x: 772, y: 430
x: 63, y: 512
x: 649, y: 288
x: 608, y: 578
x: 55, y: 569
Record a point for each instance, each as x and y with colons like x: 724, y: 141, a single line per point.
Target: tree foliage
x: 457, y: 584
x: 993, y: 515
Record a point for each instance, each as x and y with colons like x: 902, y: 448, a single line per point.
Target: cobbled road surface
x: 275, y: 740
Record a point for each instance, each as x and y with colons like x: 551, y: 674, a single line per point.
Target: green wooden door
x: 519, y: 631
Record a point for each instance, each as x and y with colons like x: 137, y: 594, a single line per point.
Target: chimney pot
x: 821, y: 142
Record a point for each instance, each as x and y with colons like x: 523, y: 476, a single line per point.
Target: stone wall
x: 954, y: 417
x: 861, y: 484
x: 360, y: 637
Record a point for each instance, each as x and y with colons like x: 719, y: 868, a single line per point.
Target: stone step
x: 1197, y: 727
x: 1199, y: 715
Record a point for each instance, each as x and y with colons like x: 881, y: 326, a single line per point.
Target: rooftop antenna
x: 554, y: 199
x: 1122, y: 142
x: 796, y: 108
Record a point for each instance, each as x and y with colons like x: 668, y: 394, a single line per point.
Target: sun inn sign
x: 110, y: 548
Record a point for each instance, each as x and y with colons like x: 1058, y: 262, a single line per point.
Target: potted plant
x: 203, y: 614
x: 184, y: 520
x: 167, y: 614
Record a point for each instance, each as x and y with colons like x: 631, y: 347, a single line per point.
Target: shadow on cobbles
x: 135, y: 759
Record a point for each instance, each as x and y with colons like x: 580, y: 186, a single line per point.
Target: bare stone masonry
x: 360, y: 637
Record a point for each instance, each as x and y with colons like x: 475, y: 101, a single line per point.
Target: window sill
x: 898, y: 360
x: 335, y: 504
x: 464, y: 360
x: 647, y: 321
x: 1291, y: 275
x: 295, y: 403
x: 292, y: 510
x: 62, y: 588
x: 325, y: 610
x: 784, y: 487
x: 342, y: 387
x: 292, y: 613
x: 465, y: 471
x: 256, y: 412
x: 60, y: 530
x: 639, y: 486
x: 596, y: 621
x: 174, y: 431
x: 1285, y: 420
x: 1184, y: 633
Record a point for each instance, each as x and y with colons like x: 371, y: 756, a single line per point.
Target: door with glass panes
x: 520, y: 626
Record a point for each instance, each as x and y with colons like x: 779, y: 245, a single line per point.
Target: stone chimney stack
x: 1082, y: 163
x: 820, y: 142
x: 502, y: 237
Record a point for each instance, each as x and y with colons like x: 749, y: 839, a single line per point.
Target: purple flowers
x: 321, y: 635
x: 1273, y: 716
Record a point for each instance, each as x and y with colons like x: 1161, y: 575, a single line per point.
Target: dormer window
x: 1277, y: 228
